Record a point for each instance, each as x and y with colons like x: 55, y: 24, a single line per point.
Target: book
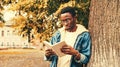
x: 56, y: 47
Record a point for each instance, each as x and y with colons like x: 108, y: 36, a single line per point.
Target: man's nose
x: 65, y: 23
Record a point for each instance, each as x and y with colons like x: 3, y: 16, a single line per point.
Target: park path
x: 22, y: 58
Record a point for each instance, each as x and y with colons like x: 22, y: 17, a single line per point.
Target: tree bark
x: 104, y: 27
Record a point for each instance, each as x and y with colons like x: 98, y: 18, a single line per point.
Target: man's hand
x: 49, y: 52
x: 71, y: 51
x: 68, y: 50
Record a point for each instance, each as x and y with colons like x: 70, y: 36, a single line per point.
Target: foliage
x: 1, y: 15
x: 39, y: 18
x: 1, y: 18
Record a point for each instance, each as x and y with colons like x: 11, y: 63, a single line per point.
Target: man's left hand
x: 69, y: 50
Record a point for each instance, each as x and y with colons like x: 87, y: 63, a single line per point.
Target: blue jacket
x: 82, y: 44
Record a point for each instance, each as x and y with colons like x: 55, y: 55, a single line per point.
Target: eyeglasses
x: 66, y: 20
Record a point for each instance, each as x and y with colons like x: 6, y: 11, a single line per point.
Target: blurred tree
x: 40, y: 17
x: 1, y: 16
x: 104, y: 26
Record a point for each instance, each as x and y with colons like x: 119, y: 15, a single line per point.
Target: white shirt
x: 69, y: 38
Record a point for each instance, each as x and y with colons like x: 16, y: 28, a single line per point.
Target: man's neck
x: 73, y: 29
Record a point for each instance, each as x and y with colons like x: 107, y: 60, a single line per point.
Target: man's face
x: 68, y: 21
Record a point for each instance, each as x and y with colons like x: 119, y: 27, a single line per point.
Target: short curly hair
x: 69, y: 9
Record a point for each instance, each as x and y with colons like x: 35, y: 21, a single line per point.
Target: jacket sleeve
x: 54, y: 39
x: 84, y: 47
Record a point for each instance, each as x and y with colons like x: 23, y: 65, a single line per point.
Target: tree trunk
x: 104, y: 27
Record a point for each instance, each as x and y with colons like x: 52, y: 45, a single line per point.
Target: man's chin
x: 67, y: 28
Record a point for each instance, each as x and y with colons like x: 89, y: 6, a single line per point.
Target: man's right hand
x: 49, y: 52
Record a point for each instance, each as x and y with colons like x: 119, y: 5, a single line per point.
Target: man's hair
x: 68, y: 9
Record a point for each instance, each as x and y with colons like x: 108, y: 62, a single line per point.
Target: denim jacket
x: 82, y: 44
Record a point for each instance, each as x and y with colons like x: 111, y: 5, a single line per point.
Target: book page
x: 56, y: 47
x: 47, y: 44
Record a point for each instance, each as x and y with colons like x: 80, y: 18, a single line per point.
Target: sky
x: 8, y: 15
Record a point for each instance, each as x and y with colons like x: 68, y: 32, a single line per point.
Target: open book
x: 56, y: 47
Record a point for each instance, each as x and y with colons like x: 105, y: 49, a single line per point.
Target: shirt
x: 69, y: 38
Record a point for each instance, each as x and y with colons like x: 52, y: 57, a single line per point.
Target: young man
x: 77, y: 38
